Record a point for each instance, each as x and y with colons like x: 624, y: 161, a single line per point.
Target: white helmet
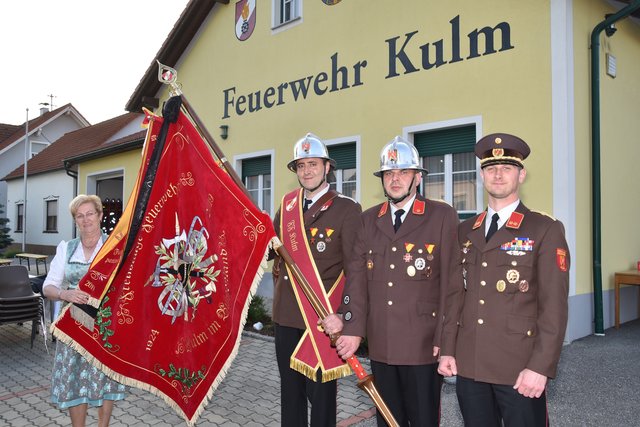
x: 310, y: 146
x: 399, y: 154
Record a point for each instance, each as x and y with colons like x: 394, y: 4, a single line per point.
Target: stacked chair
x: 18, y: 302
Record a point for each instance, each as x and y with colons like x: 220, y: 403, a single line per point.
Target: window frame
x: 46, y: 201
x: 346, y: 141
x: 19, y: 217
x: 238, y: 161
x: 277, y: 22
x: 409, y: 133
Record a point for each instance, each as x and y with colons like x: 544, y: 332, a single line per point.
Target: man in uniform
x: 407, y: 256
x: 317, y: 226
x: 505, y: 326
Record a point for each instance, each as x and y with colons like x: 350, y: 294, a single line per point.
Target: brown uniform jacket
x: 396, y: 287
x: 343, y: 217
x: 513, y: 314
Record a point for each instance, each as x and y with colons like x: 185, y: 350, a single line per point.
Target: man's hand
x: 530, y: 384
x: 447, y: 366
x: 347, y: 345
x: 332, y: 324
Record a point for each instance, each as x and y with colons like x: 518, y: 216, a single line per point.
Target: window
x: 345, y: 179
x: 19, y: 216
x: 449, y: 157
x: 285, y: 11
x: 256, y: 176
x: 51, y: 215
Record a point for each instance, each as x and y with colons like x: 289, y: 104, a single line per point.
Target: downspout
x: 595, y: 158
x: 73, y: 174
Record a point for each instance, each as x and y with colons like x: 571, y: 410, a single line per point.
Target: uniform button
x: 529, y: 333
x: 390, y: 302
x: 392, y: 266
x: 481, y: 302
x: 286, y: 277
x: 390, y: 284
x: 480, y: 321
x: 433, y: 314
x: 394, y: 249
x: 514, y: 263
x: 484, y: 263
x: 483, y: 283
x: 370, y: 251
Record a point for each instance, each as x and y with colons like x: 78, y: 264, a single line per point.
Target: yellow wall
x: 620, y: 145
x: 509, y: 89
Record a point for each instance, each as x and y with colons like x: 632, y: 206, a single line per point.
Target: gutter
x: 595, y: 158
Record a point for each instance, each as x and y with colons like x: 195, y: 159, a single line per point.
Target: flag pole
x: 168, y: 75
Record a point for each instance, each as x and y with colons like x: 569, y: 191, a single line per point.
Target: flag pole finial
x: 169, y: 76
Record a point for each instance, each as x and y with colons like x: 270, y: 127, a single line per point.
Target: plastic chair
x: 18, y: 302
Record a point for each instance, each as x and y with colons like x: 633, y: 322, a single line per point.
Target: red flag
x: 170, y: 311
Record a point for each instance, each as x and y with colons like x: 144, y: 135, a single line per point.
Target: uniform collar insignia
x: 326, y: 205
x: 515, y: 220
x: 383, y: 209
x: 479, y: 220
x: 418, y: 207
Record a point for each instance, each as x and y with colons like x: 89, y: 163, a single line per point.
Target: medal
x: 321, y: 246
x: 428, y: 272
x: 523, y: 286
x: 411, y: 270
x: 501, y: 286
x: 407, y: 257
x: 420, y: 263
x: 369, y: 264
x: 513, y: 276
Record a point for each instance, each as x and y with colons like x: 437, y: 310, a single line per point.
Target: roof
x: 7, y: 130
x: 76, y: 143
x: 36, y: 123
x: 125, y: 143
x: 184, y: 30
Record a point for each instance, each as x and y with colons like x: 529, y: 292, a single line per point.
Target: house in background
x: 43, y: 131
x: 52, y: 181
x: 441, y: 74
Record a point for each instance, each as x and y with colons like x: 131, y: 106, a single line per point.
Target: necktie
x: 494, y: 225
x: 398, y: 221
x: 307, y: 203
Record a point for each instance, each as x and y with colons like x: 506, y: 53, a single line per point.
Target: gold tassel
x: 303, y: 368
x: 335, y: 373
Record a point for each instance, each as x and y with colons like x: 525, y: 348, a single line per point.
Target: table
x: 36, y: 257
x: 4, y: 261
x: 629, y: 277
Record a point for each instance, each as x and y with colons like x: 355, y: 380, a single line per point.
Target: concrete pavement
x: 598, y: 385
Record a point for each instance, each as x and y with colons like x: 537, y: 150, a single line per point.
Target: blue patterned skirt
x: 75, y: 381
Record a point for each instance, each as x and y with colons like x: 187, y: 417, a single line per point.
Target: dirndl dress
x: 74, y: 380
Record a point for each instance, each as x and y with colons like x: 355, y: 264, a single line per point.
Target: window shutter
x: 344, y: 155
x: 446, y: 141
x: 256, y: 166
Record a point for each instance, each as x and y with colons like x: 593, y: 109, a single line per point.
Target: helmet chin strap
x: 396, y: 200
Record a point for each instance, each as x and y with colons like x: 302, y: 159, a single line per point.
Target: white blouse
x: 56, y: 269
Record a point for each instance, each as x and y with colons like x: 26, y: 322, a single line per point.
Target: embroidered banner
x: 170, y: 312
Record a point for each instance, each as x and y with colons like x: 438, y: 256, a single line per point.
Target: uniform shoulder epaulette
x: 342, y: 196
x: 441, y: 201
x: 544, y: 214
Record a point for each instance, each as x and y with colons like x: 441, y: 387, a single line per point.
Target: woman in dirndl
x: 75, y: 383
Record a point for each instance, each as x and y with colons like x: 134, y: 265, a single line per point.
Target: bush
x: 258, y: 311
x: 11, y: 253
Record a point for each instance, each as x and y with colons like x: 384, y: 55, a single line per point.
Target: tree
x: 5, y: 240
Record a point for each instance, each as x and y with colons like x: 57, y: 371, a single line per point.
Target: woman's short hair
x: 81, y: 199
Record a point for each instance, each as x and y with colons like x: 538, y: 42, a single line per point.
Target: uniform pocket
x: 521, y: 325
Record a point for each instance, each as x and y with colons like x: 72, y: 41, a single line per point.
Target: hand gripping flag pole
x: 168, y: 75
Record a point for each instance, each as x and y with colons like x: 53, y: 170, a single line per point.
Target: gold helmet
x: 399, y: 154
x: 310, y: 146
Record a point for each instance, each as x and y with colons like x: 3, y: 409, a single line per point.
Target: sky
x: 89, y: 53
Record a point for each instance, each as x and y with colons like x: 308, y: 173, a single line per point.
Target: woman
x: 75, y: 383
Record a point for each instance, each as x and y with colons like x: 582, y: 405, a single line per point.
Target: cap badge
x: 497, y: 152
x: 392, y: 154
x: 306, y: 146
x: 498, y: 140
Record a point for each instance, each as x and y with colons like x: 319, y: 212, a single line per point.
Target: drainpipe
x: 595, y: 158
x: 73, y: 174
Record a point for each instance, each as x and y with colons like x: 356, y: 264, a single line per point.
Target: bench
x: 5, y: 261
x: 36, y: 257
